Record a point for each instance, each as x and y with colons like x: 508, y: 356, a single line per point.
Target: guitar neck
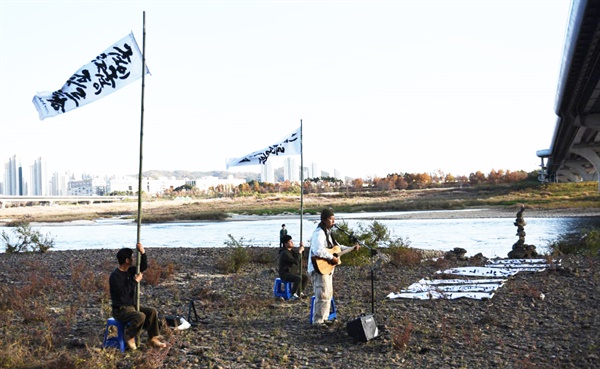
x: 345, y: 251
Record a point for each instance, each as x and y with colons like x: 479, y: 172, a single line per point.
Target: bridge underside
x: 574, y: 154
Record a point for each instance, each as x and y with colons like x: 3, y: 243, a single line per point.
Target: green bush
x: 587, y: 244
x: 376, y: 236
x: 233, y: 261
x: 27, y: 240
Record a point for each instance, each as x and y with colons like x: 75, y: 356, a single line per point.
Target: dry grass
x: 534, y: 196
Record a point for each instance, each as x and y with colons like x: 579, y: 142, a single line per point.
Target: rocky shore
x: 54, y: 306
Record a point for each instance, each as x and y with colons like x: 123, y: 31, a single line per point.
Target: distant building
x: 153, y: 187
x: 205, y: 183
x: 159, y: 186
x: 60, y: 184
x: 13, y: 178
x: 338, y: 174
x: 291, y: 169
x: 123, y: 184
x: 314, y: 171
x: 87, y: 187
x: 306, y: 172
x: 39, y: 178
x: 267, y: 174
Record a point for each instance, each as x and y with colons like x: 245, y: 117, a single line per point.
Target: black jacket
x: 122, y: 284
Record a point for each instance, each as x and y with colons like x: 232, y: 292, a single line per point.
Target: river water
x: 493, y: 237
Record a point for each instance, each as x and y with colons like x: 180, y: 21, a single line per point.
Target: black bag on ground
x: 172, y: 320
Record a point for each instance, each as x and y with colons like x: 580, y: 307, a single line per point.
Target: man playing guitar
x: 321, y: 245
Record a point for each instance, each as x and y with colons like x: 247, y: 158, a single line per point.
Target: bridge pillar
x: 591, y: 156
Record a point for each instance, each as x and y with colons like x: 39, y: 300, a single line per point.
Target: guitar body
x: 324, y: 266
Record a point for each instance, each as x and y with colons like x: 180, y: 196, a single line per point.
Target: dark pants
x: 135, y: 321
x: 295, y: 279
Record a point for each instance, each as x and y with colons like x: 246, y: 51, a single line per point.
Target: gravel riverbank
x: 53, y: 309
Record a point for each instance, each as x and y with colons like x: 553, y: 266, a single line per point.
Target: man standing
x: 321, y: 244
x: 123, y: 282
x: 282, y: 233
x: 289, y: 266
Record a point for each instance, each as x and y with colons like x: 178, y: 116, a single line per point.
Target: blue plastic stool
x: 119, y: 340
x: 282, y: 289
x: 332, y: 310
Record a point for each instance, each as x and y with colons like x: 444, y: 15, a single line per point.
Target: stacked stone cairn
x: 520, y: 250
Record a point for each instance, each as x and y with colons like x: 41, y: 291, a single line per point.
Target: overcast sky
x: 380, y: 86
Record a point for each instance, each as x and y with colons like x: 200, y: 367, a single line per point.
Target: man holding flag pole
x: 289, y: 145
x: 116, y: 67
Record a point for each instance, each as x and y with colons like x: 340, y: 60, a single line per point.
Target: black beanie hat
x: 326, y: 213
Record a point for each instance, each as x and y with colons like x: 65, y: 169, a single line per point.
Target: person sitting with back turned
x: 289, y: 266
x: 321, y: 243
x: 123, y: 281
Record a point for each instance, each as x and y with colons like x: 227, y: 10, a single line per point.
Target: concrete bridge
x: 574, y: 153
x: 50, y: 200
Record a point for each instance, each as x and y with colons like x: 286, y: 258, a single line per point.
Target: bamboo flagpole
x: 301, y: 197
x: 139, y: 217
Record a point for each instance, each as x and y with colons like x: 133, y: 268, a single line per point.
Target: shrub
x: 587, y: 244
x: 401, y: 336
x: 238, y: 257
x: 27, y: 240
x: 375, y: 236
x: 404, y: 255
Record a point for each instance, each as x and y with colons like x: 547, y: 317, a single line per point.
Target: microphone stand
x: 373, y: 253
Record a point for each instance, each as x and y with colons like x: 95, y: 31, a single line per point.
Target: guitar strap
x: 329, y: 237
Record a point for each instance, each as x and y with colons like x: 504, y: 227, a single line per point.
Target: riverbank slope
x: 552, y: 200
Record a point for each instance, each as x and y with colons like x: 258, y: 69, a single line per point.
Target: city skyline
x: 39, y: 180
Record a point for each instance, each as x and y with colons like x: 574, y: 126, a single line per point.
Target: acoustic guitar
x: 325, y: 266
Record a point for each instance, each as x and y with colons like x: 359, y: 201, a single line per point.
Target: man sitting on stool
x: 123, y: 281
x: 289, y: 266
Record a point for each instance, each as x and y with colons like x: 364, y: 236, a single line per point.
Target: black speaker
x: 363, y: 328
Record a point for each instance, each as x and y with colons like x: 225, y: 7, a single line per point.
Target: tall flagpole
x: 301, y: 197
x: 139, y: 217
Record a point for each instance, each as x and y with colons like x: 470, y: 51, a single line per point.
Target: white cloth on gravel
x: 496, y: 271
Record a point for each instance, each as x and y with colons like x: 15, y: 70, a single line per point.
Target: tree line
x: 393, y: 181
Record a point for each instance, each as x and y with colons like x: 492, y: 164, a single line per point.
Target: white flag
x: 116, y: 67
x: 289, y: 145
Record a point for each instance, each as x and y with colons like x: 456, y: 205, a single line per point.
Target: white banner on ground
x: 475, y: 287
x: 479, y: 289
x: 434, y: 295
x: 479, y: 272
x: 461, y: 281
